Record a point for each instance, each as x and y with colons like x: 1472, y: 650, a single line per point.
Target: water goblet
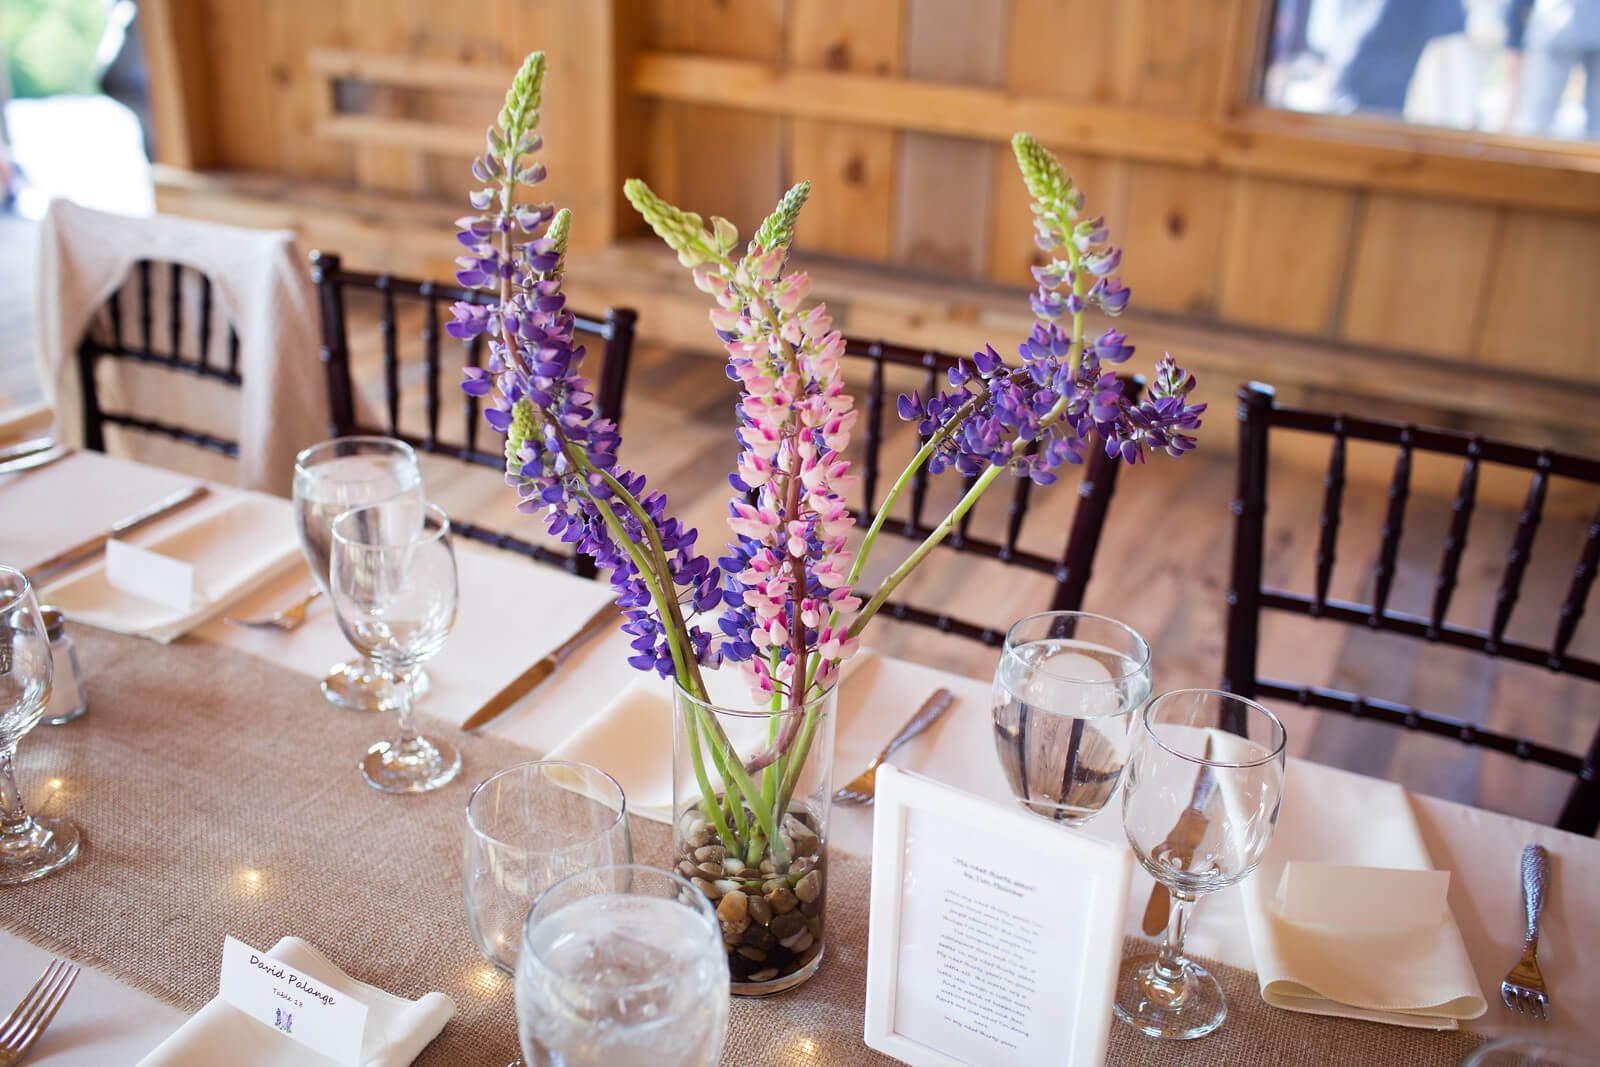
x: 330, y: 479
x: 1214, y: 763
x: 622, y: 967
x: 29, y: 848
x: 528, y: 827
x: 1064, y: 693
x: 393, y: 580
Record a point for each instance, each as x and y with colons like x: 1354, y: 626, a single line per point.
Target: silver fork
x: 288, y: 619
x: 1523, y: 989
x: 23, y: 1026
x: 863, y: 787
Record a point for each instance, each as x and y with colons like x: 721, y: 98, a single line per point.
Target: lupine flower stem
x: 932, y: 541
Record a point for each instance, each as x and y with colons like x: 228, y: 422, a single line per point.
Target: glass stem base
x: 410, y: 764
x: 1174, y: 1004
x: 36, y: 848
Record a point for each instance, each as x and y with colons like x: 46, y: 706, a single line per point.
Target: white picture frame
x: 955, y: 976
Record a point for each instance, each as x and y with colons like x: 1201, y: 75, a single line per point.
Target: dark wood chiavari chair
x: 1259, y: 414
x: 615, y: 330
x: 1070, y: 570
x: 110, y: 336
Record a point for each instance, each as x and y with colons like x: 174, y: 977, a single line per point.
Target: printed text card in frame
x: 995, y: 936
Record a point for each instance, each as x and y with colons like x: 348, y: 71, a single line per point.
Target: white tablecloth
x: 107, y: 1022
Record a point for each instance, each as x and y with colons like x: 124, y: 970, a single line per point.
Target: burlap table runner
x: 218, y: 794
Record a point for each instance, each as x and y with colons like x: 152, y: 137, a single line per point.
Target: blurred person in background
x: 1547, y: 39
x: 1379, y: 72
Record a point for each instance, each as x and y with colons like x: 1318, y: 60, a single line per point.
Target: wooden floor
x: 1162, y: 569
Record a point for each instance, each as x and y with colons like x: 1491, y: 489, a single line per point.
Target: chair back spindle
x: 107, y: 339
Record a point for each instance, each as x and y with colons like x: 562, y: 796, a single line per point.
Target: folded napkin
x: 512, y: 613
x: 631, y: 737
x: 397, y: 1029
x: 1416, y: 977
x: 235, y: 541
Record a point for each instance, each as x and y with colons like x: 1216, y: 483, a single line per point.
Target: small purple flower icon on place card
x: 283, y: 1020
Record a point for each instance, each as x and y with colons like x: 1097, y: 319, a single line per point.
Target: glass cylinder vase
x: 751, y: 788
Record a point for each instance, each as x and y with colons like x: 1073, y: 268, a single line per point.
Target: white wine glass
x: 622, y: 967
x: 1065, y: 691
x: 394, y: 587
x: 1200, y: 805
x: 29, y: 848
x: 329, y: 479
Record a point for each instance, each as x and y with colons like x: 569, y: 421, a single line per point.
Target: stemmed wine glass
x: 1066, y: 687
x: 393, y: 579
x: 1200, y: 806
x: 330, y: 479
x: 29, y: 848
x: 527, y: 828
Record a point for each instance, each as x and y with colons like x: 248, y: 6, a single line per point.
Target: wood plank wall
x: 1498, y: 284
x: 1337, y: 250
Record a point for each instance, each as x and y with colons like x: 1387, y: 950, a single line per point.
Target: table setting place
x: 322, y: 780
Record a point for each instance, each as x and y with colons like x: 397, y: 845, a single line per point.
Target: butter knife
x: 525, y: 682
x: 84, y: 551
x: 1183, y: 840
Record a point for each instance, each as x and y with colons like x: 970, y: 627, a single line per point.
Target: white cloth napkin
x: 1420, y: 978
x: 631, y: 737
x: 235, y: 541
x: 260, y: 285
x: 513, y: 612
x: 397, y: 1029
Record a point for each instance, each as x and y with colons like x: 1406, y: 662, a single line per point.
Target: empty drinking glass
x: 1063, y: 694
x: 393, y: 580
x: 528, y: 827
x: 1204, y: 783
x: 29, y: 848
x: 622, y: 967
x: 330, y: 479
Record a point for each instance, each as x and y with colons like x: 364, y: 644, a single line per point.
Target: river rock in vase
x: 743, y: 777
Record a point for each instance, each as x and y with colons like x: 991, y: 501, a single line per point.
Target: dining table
x: 218, y: 792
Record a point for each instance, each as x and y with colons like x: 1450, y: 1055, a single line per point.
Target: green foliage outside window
x: 50, y: 44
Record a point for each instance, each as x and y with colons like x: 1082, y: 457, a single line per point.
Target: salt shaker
x: 67, y: 699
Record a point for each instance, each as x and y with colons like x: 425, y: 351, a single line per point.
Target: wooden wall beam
x: 1257, y: 143
x: 408, y: 71
x: 180, y: 100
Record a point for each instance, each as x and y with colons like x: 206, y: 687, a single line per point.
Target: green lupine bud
x: 1047, y: 182
x: 522, y: 427
x: 683, y: 231
x: 778, y: 229
x: 521, y: 111
x: 560, y: 229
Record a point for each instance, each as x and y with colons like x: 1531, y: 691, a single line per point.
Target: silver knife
x: 1184, y: 838
x: 525, y: 682
x: 86, y: 550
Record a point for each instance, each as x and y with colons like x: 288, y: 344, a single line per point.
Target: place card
x: 1368, y: 898
x: 143, y: 573
x: 995, y: 936
x: 308, y: 1011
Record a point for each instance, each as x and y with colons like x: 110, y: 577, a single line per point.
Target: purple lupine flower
x: 560, y: 457
x: 1035, y: 416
